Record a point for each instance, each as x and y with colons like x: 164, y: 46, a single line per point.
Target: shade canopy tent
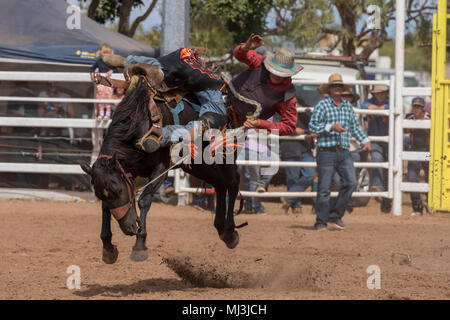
x: 37, y: 30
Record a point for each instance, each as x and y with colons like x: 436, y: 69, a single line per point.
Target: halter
x: 120, y: 212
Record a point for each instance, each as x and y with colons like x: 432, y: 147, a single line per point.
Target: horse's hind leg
x: 110, y: 252
x: 231, y: 235
x: 221, y: 206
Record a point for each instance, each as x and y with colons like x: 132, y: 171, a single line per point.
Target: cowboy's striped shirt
x: 326, y: 113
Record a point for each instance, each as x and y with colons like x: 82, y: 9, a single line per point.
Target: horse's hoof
x: 109, y: 257
x: 139, y: 255
x: 232, y: 241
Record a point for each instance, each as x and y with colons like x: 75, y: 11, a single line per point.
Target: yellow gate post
x: 439, y: 174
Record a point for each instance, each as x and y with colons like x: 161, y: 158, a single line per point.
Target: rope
x: 162, y: 174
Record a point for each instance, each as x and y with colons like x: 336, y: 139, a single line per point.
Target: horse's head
x: 116, y: 189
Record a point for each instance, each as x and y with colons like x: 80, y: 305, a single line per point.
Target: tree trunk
x: 348, y: 18
x: 92, y: 8
x: 124, y: 20
x: 375, y: 41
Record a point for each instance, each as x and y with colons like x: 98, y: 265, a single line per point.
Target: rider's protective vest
x: 184, y: 68
x: 252, y: 84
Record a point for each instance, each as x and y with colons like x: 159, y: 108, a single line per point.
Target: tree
x: 353, y: 30
x: 299, y: 21
x: 239, y: 17
x: 418, y: 50
x: 151, y: 37
x: 369, y: 38
x: 103, y: 11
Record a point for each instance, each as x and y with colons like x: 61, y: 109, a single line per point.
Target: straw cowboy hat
x: 335, y: 78
x: 355, y: 96
x: 378, y: 88
x: 282, y: 63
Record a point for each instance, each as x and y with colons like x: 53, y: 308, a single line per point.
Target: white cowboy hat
x: 282, y: 63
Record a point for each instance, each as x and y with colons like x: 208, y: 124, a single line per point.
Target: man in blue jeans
x: 294, y: 150
x: 256, y: 178
x: 419, y: 140
x: 333, y: 120
x: 379, y: 126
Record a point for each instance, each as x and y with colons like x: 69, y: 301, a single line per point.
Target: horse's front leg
x: 140, y: 250
x: 110, y: 252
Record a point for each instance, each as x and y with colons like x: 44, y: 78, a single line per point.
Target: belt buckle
x: 339, y: 148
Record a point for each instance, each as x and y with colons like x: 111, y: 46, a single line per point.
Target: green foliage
x: 301, y: 21
x: 207, y: 30
x: 151, y: 38
x: 417, y: 56
x: 108, y: 10
x: 240, y: 17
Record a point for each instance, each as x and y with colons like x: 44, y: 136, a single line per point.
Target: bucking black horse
x: 120, y: 161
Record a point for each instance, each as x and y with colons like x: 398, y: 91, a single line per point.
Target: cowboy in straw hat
x: 269, y: 78
x: 333, y: 120
x: 347, y: 94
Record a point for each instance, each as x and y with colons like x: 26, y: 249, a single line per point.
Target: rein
x: 119, y: 212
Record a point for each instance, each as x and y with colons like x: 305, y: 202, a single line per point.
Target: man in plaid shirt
x: 333, y: 120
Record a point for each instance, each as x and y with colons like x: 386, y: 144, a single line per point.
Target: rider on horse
x: 267, y: 82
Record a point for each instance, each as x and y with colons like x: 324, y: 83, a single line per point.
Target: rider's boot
x: 114, y: 60
x: 150, y: 144
x: 153, y: 141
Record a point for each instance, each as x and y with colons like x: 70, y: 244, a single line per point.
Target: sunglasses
x: 336, y: 86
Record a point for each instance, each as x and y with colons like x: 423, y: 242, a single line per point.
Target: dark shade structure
x: 37, y: 30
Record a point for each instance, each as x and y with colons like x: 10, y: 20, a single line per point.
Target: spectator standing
x: 353, y: 98
x: 379, y: 126
x: 103, y: 110
x: 256, y: 178
x: 333, y: 120
x: 419, y: 140
x: 295, y: 150
x: 59, y: 136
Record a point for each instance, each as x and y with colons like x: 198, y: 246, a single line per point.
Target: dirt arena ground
x: 279, y: 256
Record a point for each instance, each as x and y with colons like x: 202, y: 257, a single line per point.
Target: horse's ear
x: 86, y: 168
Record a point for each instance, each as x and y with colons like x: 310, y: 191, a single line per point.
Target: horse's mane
x: 120, y: 137
x: 131, y: 111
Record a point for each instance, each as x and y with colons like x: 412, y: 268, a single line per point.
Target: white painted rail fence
x: 394, y: 165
